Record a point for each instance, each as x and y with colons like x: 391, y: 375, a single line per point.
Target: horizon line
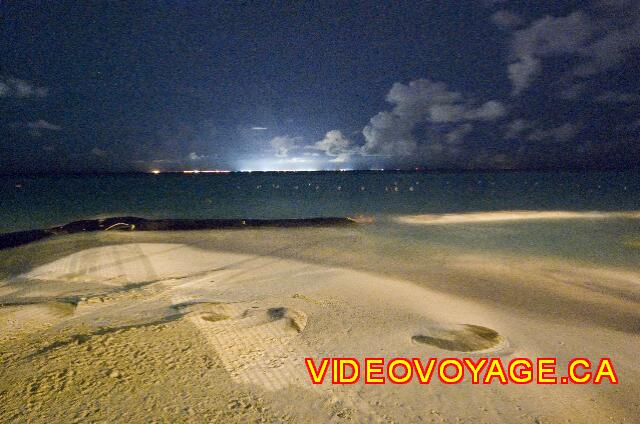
x: 293, y: 171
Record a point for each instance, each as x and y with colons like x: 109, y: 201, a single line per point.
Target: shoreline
x: 132, y: 223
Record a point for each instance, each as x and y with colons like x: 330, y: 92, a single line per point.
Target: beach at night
x: 213, y: 325
x: 216, y: 211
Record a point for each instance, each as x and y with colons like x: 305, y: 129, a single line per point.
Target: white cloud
x: 293, y: 160
x: 35, y: 128
x: 616, y: 97
x: 545, y: 37
x: 41, y: 124
x: 572, y: 92
x: 553, y: 35
x: 389, y: 134
x: 458, y: 134
x: 598, y: 43
x: 488, y: 111
x: 524, y: 129
x: 13, y: 87
x: 98, y: 152
x: 506, y: 19
x: 523, y: 72
x: 516, y: 128
x: 283, y: 144
x: 564, y: 132
x: 341, y: 158
x: 609, y: 50
x: 335, y: 144
x: 259, y: 128
x: 421, y: 101
x: 193, y: 156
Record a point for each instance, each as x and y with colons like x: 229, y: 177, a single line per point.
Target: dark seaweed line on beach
x: 132, y: 223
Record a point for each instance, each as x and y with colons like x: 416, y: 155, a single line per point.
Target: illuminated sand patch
x: 20, y: 319
x: 256, y: 344
x: 633, y: 243
x: 506, y: 216
x: 127, y: 263
x: 462, y: 338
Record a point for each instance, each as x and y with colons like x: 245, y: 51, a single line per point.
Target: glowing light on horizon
x: 206, y: 171
x: 295, y: 164
x: 155, y: 171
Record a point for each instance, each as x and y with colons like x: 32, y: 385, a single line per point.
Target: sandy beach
x: 207, y: 326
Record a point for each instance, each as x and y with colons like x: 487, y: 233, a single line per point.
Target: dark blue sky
x: 115, y: 86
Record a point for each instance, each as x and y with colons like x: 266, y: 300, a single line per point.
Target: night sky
x: 143, y: 85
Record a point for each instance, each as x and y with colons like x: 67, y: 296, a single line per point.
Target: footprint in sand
x: 213, y: 317
x: 291, y: 319
x: 256, y: 345
x: 461, y: 338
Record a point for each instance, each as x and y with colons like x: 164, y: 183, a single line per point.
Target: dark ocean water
x: 43, y: 201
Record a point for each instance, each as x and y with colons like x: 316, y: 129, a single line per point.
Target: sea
x: 31, y: 202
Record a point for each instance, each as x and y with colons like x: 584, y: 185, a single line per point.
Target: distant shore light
x: 206, y: 171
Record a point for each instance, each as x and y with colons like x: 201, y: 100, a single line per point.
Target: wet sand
x: 214, y: 325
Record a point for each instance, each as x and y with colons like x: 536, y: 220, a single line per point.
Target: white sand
x: 245, y: 321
